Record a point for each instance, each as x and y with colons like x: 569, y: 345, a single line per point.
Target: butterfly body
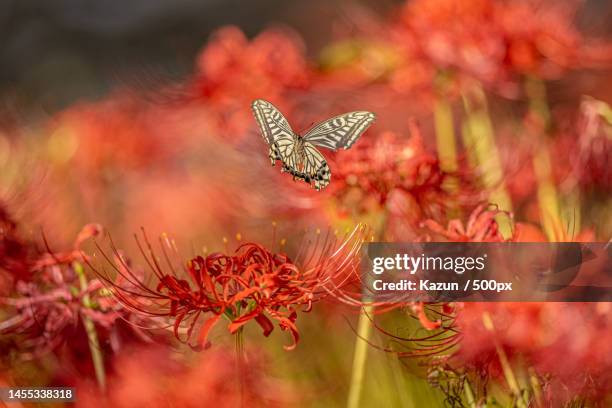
x: 297, y: 153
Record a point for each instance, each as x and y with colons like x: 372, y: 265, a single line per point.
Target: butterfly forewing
x: 276, y: 131
x: 271, y: 121
x: 340, y: 131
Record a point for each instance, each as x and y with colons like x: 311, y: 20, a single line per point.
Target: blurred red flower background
x: 494, y: 124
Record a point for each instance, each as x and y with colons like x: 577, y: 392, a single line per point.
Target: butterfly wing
x: 276, y: 132
x: 340, y: 131
x: 315, y: 167
x: 271, y: 121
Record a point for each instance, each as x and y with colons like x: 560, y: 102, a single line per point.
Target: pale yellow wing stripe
x: 340, y: 131
x: 286, y: 148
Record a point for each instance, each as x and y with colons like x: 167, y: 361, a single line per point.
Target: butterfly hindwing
x: 340, y: 131
x: 283, y: 149
x: 315, y: 166
x: 314, y: 169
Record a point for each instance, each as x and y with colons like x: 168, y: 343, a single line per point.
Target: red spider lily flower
x: 90, y: 133
x: 154, y: 377
x: 44, y: 317
x: 442, y: 336
x: 592, y: 149
x: 435, y: 336
x: 367, y: 176
x: 480, y: 227
x: 477, y: 349
x: 252, y: 284
x: 44, y: 311
x: 400, y: 177
x: 498, y: 41
x: 539, y: 334
x: 14, y: 253
x: 50, y: 258
x: 581, y: 146
x: 233, y: 71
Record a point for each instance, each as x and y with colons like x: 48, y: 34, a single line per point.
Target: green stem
x: 447, y: 147
x: 536, y: 92
x: 535, y: 385
x: 570, y: 213
x: 364, y: 329
x: 479, y: 140
x: 548, y: 199
x: 547, y: 194
x: 505, y: 363
x: 90, y: 329
x: 445, y: 135
x: 240, y: 364
x: 469, y: 394
x: 240, y: 356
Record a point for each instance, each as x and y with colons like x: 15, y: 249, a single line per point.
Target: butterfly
x: 297, y: 153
